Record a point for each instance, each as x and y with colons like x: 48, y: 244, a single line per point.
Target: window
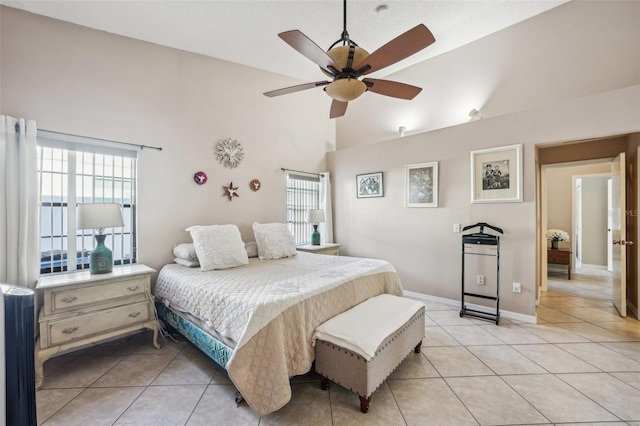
x: 70, y: 174
x: 303, y: 193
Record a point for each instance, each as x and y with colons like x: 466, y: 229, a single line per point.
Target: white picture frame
x: 421, y: 184
x: 496, y: 175
x: 369, y: 185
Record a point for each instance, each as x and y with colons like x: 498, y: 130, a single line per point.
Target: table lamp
x: 100, y: 216
x: 314, y: 217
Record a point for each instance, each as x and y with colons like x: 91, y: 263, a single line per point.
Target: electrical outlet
x: 480, y: 280
x: 456, y: 227
x: 517, y: 288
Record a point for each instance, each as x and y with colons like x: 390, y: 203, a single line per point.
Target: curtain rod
x: 300, y: 171
x: 104, y: 140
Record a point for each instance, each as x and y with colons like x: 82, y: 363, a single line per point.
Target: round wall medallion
x: 229, y: 152
x: 255, y: 185
x: 200, y: 178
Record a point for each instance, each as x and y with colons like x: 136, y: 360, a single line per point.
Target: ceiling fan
x: 346, y: 63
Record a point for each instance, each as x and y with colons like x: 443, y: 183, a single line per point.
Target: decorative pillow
x: 218, y: 246
x: 185, y: 251
x: 252, y: 249
x: 186, y: 262
x: 274, y: 240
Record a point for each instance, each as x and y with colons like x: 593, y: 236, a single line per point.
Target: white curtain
x: 326, y: 228
x: 19, y: 210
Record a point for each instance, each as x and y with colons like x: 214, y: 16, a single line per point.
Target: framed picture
x: 421, y: 185
x: 369, y: 185
x: 496, y: 175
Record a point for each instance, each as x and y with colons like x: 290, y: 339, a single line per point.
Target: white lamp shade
x: 315, y: 216
x: 97, y: 216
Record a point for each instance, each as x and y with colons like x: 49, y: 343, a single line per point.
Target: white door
x: 578, y: 221
x: 619, y: 232
x: 609, y: 225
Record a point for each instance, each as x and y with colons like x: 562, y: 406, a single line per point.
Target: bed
x: 257, y: 320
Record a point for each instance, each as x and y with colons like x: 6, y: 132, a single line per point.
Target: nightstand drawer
x: 558, y: 256
x: 82, y: 326
x: 68, y: 299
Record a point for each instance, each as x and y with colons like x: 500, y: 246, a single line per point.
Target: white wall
x: 420, y: 242
x: 77, y: 80
x: 576, y: 49
x: 594, y: 221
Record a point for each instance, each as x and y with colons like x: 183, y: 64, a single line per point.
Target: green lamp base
x: 315, y: 236
x: 101, y: 258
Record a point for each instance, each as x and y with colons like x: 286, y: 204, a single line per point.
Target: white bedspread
x: 270, y: 310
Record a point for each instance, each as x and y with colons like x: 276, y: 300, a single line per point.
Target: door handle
x: 623, y: 242
x: 616, y: 242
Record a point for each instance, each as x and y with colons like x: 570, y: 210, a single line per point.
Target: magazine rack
x: 481, y: 244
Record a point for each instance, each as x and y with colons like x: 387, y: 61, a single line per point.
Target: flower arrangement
x: 557, y: 235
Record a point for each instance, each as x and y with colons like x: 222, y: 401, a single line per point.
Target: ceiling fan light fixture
x: 346, y: 89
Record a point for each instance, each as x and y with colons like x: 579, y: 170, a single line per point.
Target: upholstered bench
x: 359, y: 348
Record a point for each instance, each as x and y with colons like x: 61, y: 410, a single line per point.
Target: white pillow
x: 186, y: 262
x: 252, y: 249
x: 218, y: 246
x: 274, y: 240
x: 185, y: 251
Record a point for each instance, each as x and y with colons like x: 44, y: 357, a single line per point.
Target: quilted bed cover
x: 270, y: 310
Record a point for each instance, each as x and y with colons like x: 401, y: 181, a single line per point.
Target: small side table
x: 332, y: 249
x: 560, y: 257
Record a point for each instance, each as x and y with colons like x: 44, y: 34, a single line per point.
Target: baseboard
x: 529, y: 319
x: 630, y: 308
x: 590, y: 266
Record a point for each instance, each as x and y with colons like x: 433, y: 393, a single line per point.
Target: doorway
x: 592, y: 226
x: 588, y: 153
x: 574, y: 200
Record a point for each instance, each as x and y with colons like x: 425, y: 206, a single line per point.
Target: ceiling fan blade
x: 309, y: 49
x: 293, y: 89
x: 397, y: 49
x: 392, y: 88
x: 338, y: 109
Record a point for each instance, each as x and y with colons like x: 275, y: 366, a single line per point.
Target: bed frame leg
x: 238, y: 397
x: 324, y: 382
x: 418, y: 347
x: 364, y: 403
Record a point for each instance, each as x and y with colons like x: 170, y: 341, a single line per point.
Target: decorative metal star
x: 230, y: 191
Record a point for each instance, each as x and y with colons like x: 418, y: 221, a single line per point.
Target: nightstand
x: 81, y: 308
x: 333, y: 249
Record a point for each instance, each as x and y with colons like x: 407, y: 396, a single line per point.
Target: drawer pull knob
x: 70, y: 330
x: 69, y: 299
x: 134, y: 314
x: 132, y: 288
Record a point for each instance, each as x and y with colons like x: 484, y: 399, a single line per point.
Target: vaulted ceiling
x: 245, y: 31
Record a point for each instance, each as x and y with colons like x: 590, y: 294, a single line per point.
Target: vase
x: 554, y: 244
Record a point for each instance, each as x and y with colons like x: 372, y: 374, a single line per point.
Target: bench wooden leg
x: 324, y: 382
x: 364, y: 404
x: 418, y: 347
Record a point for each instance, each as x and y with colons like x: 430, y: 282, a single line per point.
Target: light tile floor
x: 579, y: 365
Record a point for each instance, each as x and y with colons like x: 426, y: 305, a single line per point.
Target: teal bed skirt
x: 213, y: 348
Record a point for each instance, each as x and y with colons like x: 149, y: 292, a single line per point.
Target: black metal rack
x: 482, y: 239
